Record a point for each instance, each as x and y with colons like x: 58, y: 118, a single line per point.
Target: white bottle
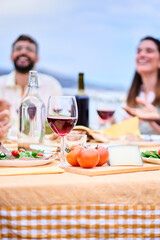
x: 31, y: 116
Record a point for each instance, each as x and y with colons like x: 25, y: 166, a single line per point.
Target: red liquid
x: 32, y: 111
x: 105, y: 114
x: 62, y: 126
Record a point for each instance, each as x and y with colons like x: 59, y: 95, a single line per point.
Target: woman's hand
x: 147, y: 113
x: 4, y: 123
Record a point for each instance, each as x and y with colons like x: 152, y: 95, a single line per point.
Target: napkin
x: 92, y: 135
x: 30, y: 170
x: 129, y: 126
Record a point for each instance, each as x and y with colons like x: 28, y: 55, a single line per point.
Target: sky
x: 97, y: 37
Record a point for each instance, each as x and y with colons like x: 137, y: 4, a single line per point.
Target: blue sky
x: 97, y: 37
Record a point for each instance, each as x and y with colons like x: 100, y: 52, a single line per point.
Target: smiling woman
x: 146, y: 82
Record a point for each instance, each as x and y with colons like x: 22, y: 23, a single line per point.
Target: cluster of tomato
x: 87, y: 157
x: 16, y: 153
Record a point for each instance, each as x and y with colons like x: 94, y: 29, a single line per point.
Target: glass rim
x: 71, y: 96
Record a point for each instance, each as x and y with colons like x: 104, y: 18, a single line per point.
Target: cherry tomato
x: 88, y: 158
x: 151, y: 153
x: 159, y: 151
x: 15, y: 153
x: 21, y: 150
x: 39, y: 154
x: 104, y: 155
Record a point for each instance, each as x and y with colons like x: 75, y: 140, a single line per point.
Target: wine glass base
x: 62, y: 164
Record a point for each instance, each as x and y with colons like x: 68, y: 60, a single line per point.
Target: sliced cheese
x: 124, y: 155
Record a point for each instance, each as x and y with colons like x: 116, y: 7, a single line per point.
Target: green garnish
x: 150, y: 154
x: 2, y: 156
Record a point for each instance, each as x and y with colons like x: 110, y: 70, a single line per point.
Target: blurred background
x: 98, y: 38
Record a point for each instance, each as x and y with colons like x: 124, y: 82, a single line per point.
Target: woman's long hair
x: 137, y: 83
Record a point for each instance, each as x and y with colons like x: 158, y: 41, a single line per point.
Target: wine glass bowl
x: 105, y: 110
x: 105, y: 114
x: 62, y: 116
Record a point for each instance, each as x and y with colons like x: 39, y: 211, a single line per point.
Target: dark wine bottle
x: 82, y: 102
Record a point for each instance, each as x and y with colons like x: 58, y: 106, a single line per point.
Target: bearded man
x: 13, y: 86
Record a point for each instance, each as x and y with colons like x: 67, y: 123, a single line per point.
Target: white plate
x: 144, y: 143
x: 151, y: 160
x: 43, y: 148
x: 151, y: 137
x: 25, y: 163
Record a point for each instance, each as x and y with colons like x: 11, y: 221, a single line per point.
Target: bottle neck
x: 81, y: 87
x: 32, y: 90
x: 33, y: 83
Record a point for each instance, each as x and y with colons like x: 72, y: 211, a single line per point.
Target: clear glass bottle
x: 82, y: 102
x: 31, y: 116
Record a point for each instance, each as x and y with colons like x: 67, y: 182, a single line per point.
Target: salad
x: 151, y: 154
x: 23, y: 154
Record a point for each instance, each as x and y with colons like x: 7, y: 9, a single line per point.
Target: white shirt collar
x: 11, y: 81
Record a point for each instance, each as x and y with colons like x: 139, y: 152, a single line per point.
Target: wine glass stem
x: 62, y: 159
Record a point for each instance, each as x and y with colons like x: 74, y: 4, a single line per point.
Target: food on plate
x: 131, y: 137
x: 151, y: 154
x: 104, y: 155
x: 22, y: 154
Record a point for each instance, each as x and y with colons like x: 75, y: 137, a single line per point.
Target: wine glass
x: 105, y: 110
x: 62, y: 115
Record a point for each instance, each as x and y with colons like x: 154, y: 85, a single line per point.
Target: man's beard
x: 24, y: 69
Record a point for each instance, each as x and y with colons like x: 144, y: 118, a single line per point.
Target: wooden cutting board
x: 107, y: 170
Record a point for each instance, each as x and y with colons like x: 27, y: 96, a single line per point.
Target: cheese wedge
x: 129, y: 126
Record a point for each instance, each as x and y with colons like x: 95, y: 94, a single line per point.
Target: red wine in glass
x: 62, y: 126
x: 105, y: 114
x: 62, y: 115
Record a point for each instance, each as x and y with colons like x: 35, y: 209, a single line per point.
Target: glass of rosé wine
x: 62, y: 115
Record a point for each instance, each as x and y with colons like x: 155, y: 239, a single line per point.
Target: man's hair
x: 25, y: 38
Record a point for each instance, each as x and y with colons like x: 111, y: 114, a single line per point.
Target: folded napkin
x: 30, y: 170
x: 129, y: 126
x: 92, y: 135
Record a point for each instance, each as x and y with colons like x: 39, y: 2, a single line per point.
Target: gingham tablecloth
x: 80, y: 222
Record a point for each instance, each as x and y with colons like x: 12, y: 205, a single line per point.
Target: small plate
x: 151, y: 160
x: 144, y: 143
x: 46, y: 149
x: 26, y: 163
x: 149, y: 138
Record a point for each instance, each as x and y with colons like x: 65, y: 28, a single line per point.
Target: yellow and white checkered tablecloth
x: 80, y: 222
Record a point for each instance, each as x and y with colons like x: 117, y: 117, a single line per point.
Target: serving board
x: 108, y: 170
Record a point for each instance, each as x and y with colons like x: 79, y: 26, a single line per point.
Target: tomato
x: 88, y: 158
x: 104, y: 155
x: 159, y: 151
x: 39, y: 154
x: 21, y: 150
x: 151, y: 153
x: 15, y: 153
x: 71, y: 157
